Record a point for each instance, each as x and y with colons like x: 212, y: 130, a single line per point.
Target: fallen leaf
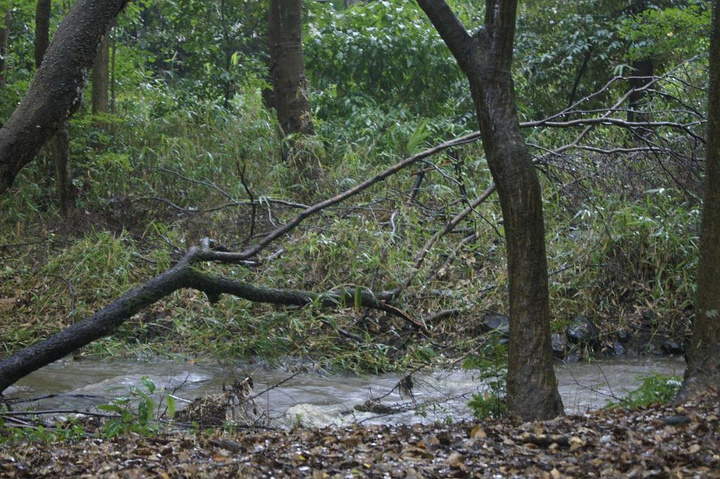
x: 478, y: 433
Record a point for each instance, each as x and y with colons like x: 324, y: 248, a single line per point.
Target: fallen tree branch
x: 183, y: 275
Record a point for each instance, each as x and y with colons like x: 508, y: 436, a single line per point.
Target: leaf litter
x: 674, y: 441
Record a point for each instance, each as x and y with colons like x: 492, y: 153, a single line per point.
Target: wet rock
x: 672, y: 347
x: 497, y: 322
x: 619, y: 349
x: 582, y: 330
x: 559, y: 345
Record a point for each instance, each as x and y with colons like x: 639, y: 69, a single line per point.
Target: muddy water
x: 320, y: 399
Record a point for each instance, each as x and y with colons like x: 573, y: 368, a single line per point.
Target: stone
x: 619, y: 349
x: 582, y: 330
x: 559, y: 345
x: 671, y: 347
x: 497, y: 322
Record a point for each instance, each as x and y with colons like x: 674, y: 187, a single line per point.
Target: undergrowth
x: 143, y: 199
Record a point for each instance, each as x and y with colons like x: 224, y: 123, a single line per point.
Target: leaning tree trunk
x: 59, y: 145
x: 703, y: 354
x: 56, y: 91
x: 485, y: 58
x: 287, y: 67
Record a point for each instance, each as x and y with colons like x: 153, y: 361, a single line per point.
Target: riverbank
x: 658, y: 441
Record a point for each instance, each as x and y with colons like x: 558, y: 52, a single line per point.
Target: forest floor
x: 677, y: 441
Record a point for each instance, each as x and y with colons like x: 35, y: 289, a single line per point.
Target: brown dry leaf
x: 478, y: 433
x: 576, y: 443
x: 456, y: 461
x: 7, y: 304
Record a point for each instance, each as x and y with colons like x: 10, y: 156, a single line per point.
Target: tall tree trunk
x: 112, y: 75
x: 485, y: 59
x: 703, y: 354
x: 56, y: 90
x: 4, y: 38
x: 59, y: 146
x: 101, y: 78
x: 42, y: 30
x: 287, y: 65
x: 643, y: 70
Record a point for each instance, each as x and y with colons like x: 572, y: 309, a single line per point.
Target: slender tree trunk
x: 485, y: 58
x: 42, y: 30
x: 4, y: 37
x: 643, y: 70
x: 580, y: 73
x: 56, y: 91
x: 112, y: 75
x: 287, y: 65
x: 59, y: 145
x: 703, y: 354
x: 101, y: 78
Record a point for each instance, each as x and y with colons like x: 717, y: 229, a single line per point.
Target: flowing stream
x: 320, y: 399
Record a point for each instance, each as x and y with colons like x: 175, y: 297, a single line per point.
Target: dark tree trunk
x: 485, y: 58
x: 59, y: 145
x: 101, y: 78
x: 703, y: 354
x: 578, y: 77
x: 56, y: 91
x: 643, y: 70
x: 42, y: 30
x: 287, y: 67
x: 4, y: 37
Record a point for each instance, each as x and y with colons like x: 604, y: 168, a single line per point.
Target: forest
x: 380, y: 188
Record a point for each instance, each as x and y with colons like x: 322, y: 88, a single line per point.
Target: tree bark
x: 42, y: 30
x: 643, y: 71
x: 56, y: 91
x: 59, y: 145
x: 703, y: 354
x: 4, y: 38
x: 182, y: 275
x: 101, y: 78
x: 287, y: 67
x: 485, y: 58
x: 60, y: 150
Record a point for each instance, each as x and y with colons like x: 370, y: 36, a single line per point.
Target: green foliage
x: 655, y: 388
x: 133, y: 419
x: 634, y: 256
x: 69, y: 430
x: 379, y: 55
x: 668, y: 34
x: 492, y: 366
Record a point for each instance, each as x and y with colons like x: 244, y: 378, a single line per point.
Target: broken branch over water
x: 182, y: 275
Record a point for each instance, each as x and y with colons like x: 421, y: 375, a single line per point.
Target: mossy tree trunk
x: 485, y: 58
x: 703, y: 354
x: 56, y: 91
x: 101, y: 78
